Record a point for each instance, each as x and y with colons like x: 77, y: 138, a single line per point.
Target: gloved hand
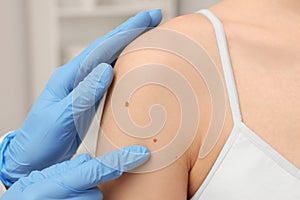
x: 77, y: 179
x: 63, y: 112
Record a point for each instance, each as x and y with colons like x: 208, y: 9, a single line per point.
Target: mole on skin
x: 126, y: 105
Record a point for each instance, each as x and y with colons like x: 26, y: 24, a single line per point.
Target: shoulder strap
x: 226, y: 64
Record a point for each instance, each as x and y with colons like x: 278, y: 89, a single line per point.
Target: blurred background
x: 39, y: 35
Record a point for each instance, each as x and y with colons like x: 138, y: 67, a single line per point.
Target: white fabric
x: 2, y: 187
x: 89, y: 144
x: 247, y: 167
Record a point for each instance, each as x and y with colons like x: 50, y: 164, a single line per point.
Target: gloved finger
x: 90, y: 90
x: 81, y: 104
x: 156, y: 17
x: 50, y: 189
x: 102, y: 50
x: 105, y: 168
x: 54, y: 170
x: 91, y: 194
x: 141, y: 20
x: 65, y: 166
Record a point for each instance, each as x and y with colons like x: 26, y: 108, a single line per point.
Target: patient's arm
x: 171, y: 181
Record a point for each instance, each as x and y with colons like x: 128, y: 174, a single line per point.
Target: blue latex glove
x: 77, y: 179
x: 63, y: 112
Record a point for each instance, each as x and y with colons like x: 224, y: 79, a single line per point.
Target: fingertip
x: 142, y: 15
x: 137, y: 149
x: 89, y: 92
x: 144, y: 19
x: 106, y: 72
x: 140, y: 20
x: 105, y: 66
x: 156, y: 17
x: 125, y: 159
x: 137, y: 155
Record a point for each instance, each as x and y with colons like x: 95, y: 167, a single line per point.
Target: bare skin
x: 262, y: 36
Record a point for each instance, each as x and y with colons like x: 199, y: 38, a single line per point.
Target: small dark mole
x: 126, y: 104
x: 154, y: 140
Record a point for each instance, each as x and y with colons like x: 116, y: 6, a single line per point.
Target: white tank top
x: 247, y: 168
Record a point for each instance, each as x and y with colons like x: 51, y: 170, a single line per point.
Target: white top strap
x: 226, y: 64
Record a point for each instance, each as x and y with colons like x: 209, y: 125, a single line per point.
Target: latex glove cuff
x: 3, y: 147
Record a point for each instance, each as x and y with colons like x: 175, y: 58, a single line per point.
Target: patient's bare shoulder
x: 135, y: 106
